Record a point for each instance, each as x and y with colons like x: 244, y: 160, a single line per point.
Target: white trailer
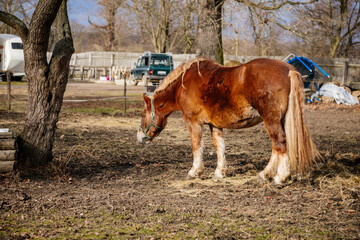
x: 11, y: 56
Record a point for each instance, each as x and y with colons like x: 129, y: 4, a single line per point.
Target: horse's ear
x: 147, y: 101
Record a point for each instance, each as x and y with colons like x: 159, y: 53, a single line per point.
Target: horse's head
x: 153, y: 121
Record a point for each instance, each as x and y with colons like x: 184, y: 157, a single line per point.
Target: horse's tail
x: 301, y: 148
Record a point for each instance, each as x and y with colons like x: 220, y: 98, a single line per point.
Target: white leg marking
x: 219, y: 144
x: 283, y: 169
x: 198, y: 165
x: 270, y: 169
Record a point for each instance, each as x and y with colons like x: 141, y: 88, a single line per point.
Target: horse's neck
x: 167, y: 96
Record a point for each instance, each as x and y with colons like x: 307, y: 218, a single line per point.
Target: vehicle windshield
x: 160, y: 60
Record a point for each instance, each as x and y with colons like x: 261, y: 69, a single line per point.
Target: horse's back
x: 265, y: 72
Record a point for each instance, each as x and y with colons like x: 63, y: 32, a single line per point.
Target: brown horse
x: 236, y: 97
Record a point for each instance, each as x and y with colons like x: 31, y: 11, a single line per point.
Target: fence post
x: 90, y: 59
x: 112, y: 59
x: 89, y: 73
x: 72, y: 69
x: 74, y: 60
x: 82, y: 73
x: 8, y: 77
x: 124, y: 95
x: 111, y: 67
x: 345, y: 72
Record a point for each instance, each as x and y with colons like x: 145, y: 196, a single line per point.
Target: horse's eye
x: 162, y: 105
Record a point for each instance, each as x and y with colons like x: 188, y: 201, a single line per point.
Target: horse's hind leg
x: 278, y: 167
x: 270, y: 170
x: 197, y: 147
x: 283, y: 169
x: 219, y: 145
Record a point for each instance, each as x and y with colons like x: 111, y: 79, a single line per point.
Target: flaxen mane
x: 176, y: 73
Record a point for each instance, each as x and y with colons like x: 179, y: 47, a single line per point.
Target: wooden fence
x: 117, y: 65
x: 80, y: 72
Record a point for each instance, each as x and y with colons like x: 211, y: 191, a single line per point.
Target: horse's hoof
x: 218, y: 174
x: 277, y: 181
x: 216, y: 177
x: 188, y: 177
x: 261, y: 178
x: 192, y: 174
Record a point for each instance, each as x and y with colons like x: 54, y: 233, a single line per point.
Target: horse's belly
x: 245, y: 118
x: 246, y: 122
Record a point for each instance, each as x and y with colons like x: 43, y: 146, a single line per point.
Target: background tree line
x: 318, y: 28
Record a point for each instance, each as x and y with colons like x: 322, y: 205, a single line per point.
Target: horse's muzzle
x: 141, y: 137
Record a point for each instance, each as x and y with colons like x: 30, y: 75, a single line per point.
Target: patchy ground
x: 103, y: 185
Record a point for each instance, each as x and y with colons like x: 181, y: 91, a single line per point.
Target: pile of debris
x: 332, y: 92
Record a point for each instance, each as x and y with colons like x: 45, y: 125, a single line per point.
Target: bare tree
x: 82, y: 36
x: 165, y: 22
x: 333, y: 24
x: 209, y: 39
x: 19, y: 8
x: 189, y: 26
x: 154, y: 20
x: 266, y: 36
x: 210, y: 23
x: 110, y: 10
x: 233, y: 25
x: 259, y: 31
x: 46, y: 81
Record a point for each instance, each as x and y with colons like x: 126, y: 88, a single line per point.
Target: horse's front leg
x: 219, y: 145
x: 197, y: 147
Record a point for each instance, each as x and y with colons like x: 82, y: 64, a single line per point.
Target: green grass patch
x: 14, y: 83
x: 100, y: 110
x: 16, y: 106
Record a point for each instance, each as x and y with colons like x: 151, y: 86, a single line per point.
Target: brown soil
x: 102, y: 184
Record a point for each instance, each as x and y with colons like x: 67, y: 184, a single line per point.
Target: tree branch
x: 40, y: 26
x: 272, y: 7
x: 95, y: 25
x: 63, y: 38
x: 64, y: 48
x: 292, y: 30
x: 45, y: 12
x: 15, y: 23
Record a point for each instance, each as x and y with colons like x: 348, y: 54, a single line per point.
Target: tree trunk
x: 110, y: 8
x: 110, y: 27
x: 46, y: 84
x: 209, y: 40
x: 164, y: 27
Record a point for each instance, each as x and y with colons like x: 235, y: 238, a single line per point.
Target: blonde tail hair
x: 301, y: 148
